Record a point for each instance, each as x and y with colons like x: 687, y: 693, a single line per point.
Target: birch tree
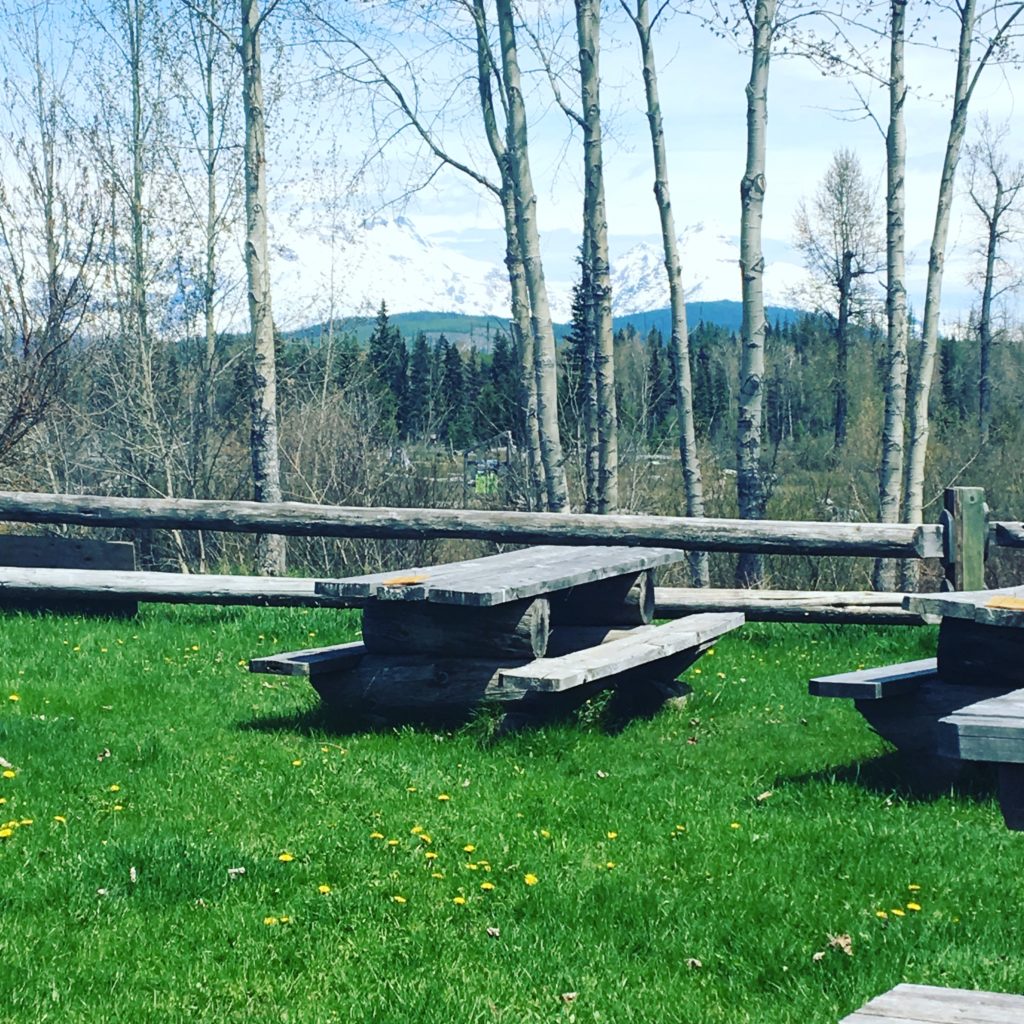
x: 693, y: 485
x: 995, y: 185
x: 1002, y: 16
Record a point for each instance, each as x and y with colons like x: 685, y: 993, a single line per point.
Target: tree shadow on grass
x: 913, y: 778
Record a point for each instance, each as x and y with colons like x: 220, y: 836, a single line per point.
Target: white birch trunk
x: 891, y: 469
x: 599, y: 297
x: 529, y: 239
x: 693, y: 485
x: 266, y: 469
x: 749, y: 480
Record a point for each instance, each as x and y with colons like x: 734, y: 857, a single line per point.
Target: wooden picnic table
x: 967, y: 703
x: 533, y: 629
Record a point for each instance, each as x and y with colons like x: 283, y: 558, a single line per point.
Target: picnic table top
x: 497, y: 579
x: 1003, y: 607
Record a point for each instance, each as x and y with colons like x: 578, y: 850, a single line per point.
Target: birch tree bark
x: 750, y: 483
x: 266, y: 469
x: 597, y: 275
x: 967, y: 75
x: 891, y: 469
x: 693, y: 485
x: 529, y: 239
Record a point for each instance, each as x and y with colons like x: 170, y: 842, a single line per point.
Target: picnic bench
x: 964, y: 705
x: 930, y: 1004
x: 535, y: 629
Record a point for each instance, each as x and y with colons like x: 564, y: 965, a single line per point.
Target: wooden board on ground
x: 29, y: 557
x: 928, y: 1004
x: 643, y: 645
x: 496, y: 579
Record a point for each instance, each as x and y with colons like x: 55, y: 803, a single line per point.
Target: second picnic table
x: 521, y: 628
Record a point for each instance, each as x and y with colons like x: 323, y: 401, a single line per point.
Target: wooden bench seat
x: 643, y: 646
x: 876, y: 683
x: 313, y: 663
x: 928, y: 1004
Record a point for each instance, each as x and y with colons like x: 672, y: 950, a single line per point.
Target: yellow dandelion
x: 612, y: 835
x: 286, y: 857
x: 898, y: 912
x: 3, y: 800
x: 8, y: 774
x: 25, y: 821
x: 881, y: 914
x: 416, y: 830
x: 436, y: 874
x: 487, y: 886
x: 424, y: 838
x: 376, y: 835
x: 459, y: 901
x: 443, y: 797
x: 6, y: 833
x: 392, y: 842
x: 530, y: 879
x: 297, y: 763
x: 60, y: 818
x: 118, y: 807
x: 14, y: 697
x: 913, y: 906
x: 323, y: 889
x: 545, y: 833
x: 472, y: 867
x: 399, y: 899
x: 735, y: 824
x: 270, y: 921
x: 410, y: 789
x: 914, y: 888
x: 610, y: 864
x: 468, y: 848
x: 431, y: 855
x: 115, y: 788
x: 325, y: 750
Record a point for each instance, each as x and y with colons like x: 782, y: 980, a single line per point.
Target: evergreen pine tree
x: 419, y: 404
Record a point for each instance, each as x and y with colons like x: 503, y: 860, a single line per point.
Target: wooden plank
x: 497, y: 579
x: 967, y: 532
x: 959, y: 606
x: 868, y: 607
x: 38, y: 553
x: 988, y: 730
x: 875, y: 683
x: 929, y: 1004
x: 1008, y: 535
x: 313, y: 662
x: 881, y: 540
x: 644, y: 645
x: 168, y: 587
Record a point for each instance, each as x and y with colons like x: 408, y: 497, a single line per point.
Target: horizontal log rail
x: 873, y: 540
x: 1007, y: 535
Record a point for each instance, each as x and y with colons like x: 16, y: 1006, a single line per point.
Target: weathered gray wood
x: 928, y: 1004
x: 866, y: 607
x: 497, y: 579
x: 312, y: 662
x: 644, y: 645
x: 567, y: 639
x: 977, y: 605
x: 57, y: 553
x: 976, y: 653
x: 965, y: 538
x: 1007, y: 535
x: 168, y: 587
x: 622, y: 601
x: 875, y: 683
x: 300, y: 519
x: 987, y: 730
x: 518, y: 629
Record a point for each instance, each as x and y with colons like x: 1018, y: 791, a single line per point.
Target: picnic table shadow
x: 612, y: 711
x: 914, y: 779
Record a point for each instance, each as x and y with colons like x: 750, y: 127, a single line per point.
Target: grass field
x: 192, y: 842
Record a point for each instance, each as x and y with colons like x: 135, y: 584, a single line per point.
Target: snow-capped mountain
x: 318, y: 272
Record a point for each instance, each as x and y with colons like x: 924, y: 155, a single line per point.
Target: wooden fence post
x: 965, y: 519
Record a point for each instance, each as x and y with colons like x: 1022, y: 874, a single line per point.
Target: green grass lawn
x: 192, y: 842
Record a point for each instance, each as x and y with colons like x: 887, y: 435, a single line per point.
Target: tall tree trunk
x: 693, y: 484
x: 750, y: 484
x: 598, y: 277
x: 842, y: 383
x: 266, y: 469
x: 529, y: 240
x: 522, y: 330
x: 891, y: 470
x: 985, y: 321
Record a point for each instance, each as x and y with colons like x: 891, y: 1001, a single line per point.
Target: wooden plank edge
x: 309, y: 662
